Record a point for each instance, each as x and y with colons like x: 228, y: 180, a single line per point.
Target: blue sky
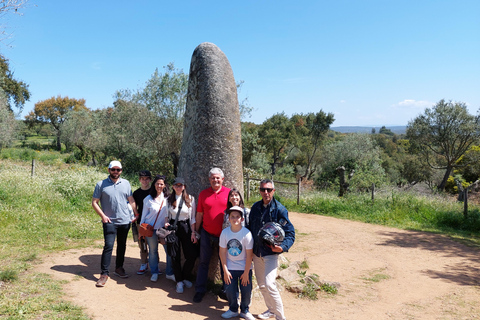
x: 369, y: 62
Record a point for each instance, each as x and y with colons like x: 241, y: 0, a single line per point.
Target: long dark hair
x: 153, y: 190
x: 232, y: 191
x: 172, y: 198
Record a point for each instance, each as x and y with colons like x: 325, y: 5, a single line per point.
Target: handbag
x: 145, y: 229
x: 173, y: 247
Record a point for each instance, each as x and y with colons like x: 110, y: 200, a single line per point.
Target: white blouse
x: 150, y: 210
x: 185, y: 213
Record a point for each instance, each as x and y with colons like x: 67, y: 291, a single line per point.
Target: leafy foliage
x: 443, y: 134
x: 12, y: 91
x: 53, y: 111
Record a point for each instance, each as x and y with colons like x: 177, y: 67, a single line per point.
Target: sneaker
x: 198, y: 297
x: 266, y: 315
x: 154, y: 277
x: 179, y: 287
x: 247, y: 315
x: 143, y: 268
x: 170, y: 277
x: 187, y: 284
x: 120, y: 272
x: 102, y: 281
x: 229, y: 314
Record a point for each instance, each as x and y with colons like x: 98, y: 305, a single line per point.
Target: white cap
x: 115, y: 163
x: 236, y: 208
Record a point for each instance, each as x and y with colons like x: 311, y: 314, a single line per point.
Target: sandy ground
x: 422, y: 276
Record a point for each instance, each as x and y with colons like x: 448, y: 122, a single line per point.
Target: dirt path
x: 421, y: 276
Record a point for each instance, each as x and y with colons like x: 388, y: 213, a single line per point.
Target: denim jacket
x: 275, y: 212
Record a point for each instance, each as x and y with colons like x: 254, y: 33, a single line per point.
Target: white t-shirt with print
x: 236, y: 244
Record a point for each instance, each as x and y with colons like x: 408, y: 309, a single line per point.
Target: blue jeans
x: 153, y: 256
x: 208, y: 243
x: 232, y: 291
x: 110, y: 232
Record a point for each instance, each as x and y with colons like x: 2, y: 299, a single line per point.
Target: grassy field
x: 51, y: 212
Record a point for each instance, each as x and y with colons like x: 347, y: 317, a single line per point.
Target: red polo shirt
x: 213, y: 205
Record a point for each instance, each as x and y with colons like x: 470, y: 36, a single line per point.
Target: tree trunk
x: 441, y: 186
x: 59, y: 144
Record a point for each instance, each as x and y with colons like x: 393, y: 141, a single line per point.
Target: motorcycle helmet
x: 271, y: 234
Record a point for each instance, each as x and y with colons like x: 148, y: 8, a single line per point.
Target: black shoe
x: 198, y: 297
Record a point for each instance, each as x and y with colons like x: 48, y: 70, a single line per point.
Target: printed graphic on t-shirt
x: 234, y: 247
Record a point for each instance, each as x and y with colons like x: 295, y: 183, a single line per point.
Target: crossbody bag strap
x: 158, y: 213
x: 178, y: 212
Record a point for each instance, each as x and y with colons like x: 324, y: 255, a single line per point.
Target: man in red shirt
x: 212, y: 203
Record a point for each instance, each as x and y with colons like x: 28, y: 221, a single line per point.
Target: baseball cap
x: 179, y: 180
x: 236, y: 208
x: 115, y: 163
x: 144, y: 173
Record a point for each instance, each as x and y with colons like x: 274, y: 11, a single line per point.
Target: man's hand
x: 276, y: 248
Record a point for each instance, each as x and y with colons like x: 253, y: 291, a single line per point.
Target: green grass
x: 46, y: 213
x: 399, y: 210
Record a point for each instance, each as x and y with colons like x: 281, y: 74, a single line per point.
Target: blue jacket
x: 275, y: 212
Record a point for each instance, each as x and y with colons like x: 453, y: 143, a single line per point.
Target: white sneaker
x: 187, y: 284
x: 229, y: 314
x: 154, y: 277
x: 170, y: 277
x: 143, y: 268
x: 179, y: 287
x: 266, y: 315
x: 247, y: 315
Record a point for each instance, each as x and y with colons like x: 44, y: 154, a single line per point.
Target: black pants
x: 110, y: 232
x: 189, y: 249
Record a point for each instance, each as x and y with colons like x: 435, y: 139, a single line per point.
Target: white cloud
x: 412, y: 104
x: 343, y: 101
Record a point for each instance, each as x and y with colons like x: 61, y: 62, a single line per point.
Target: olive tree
x: 443, y: 134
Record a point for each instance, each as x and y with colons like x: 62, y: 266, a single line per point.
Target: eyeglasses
x: 115, y: 169
x: 268, y: 190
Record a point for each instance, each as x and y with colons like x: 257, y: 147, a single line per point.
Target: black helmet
x: 271, y: 234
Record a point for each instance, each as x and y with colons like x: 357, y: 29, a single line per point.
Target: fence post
x: 465, y: 203
x: 299, y: 182
x: 248, y: 187
x: 373, y: 192
x: 33, y: 167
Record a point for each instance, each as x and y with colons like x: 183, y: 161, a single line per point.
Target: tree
x: 8, y: 125
x: 84, y: 130
x: 164, y: 96
x: 53, y: 111
x: 357, y: 153
x: 13, y: 91
x: 311, y: 129
x: 443, y: 134
x: 276, y: 133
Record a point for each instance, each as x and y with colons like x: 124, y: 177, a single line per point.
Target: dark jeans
x: 189, y: 249
x: 208, y: 243
x: 232, y: 291
x: 110, y: 231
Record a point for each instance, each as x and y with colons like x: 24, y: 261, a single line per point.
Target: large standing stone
x: 212, y: 131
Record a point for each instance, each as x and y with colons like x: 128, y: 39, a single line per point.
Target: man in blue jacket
x: 265, y: 258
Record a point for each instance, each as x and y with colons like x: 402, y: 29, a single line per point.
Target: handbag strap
x: 158, y: 213
x: 178, y: 212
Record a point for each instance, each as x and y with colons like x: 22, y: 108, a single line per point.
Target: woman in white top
x: 154, y: 213
x: 185, y: 237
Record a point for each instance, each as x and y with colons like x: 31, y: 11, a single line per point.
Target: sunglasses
x: 115, y: 169
x: 266, y: 190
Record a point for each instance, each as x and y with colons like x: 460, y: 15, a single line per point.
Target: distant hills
x: 346, y: 129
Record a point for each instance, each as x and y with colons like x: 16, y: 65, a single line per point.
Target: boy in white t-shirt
x: 236, y: 252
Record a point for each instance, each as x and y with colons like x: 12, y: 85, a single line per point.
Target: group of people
x: 218, y: 221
